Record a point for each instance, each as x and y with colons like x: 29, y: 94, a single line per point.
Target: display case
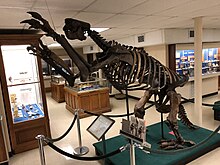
x: 92, y: 95
x: 57, y: 88
x: 92, y: 83
x: 181, y: 60
x: 23, y: 92
x: 57, y: 79
x: 185, y: 61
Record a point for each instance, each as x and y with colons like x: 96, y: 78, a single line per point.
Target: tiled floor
x: 60, y: 120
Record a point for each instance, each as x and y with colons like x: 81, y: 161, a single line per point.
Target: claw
x: 33, y: 23
x: 35, y: 15
x: 39, y: 23
x: 31, y: 48
x: 174, y: 144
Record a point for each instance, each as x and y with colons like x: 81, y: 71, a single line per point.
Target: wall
x: 91, y: 49
x: 62, y: 53
x: 159, y: 52
x: 182, y: 36
x: 150, y: 38
x: 191, y: 46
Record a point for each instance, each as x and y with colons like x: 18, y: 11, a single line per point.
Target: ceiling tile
x: 55, y: 17
x: 11, y: 20
x: 16, y: 3
x: 124, y: 17
x: 63, y: 4
x: 93, y: 18
x: 113, y: 6
x: 119, y: 20
x: 177, y: 22
x: 208, y: 11
x: 152, y: 6
x: 186, y: 10
x: 147, y: 22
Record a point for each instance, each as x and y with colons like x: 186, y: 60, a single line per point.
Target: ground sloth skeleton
x: 125, y: 67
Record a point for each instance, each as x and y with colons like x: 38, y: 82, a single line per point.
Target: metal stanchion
x: 81, y: 150
x: 40, y: 139
x: 132, y: 153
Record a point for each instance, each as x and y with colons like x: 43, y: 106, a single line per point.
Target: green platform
x: 153, y: 136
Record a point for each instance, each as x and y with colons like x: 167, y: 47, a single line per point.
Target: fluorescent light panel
x: 100, y: 29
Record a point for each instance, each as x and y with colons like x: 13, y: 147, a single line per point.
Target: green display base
x: 153, y: 137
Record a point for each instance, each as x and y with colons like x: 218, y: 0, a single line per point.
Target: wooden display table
x: 96, y: 101
x: 57, y: 91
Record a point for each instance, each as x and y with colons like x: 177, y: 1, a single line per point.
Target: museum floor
x: 60, y: 120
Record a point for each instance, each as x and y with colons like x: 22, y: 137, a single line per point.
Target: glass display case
x: 94, y: 92
x: 57, y: 88
x: 185, y: 61
x: 92, y: 84
x: 57, y: 79
x: 23, y: 83
x: 45, y: 68
x: 23, y: 91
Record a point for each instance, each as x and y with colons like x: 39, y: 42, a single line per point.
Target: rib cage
x: 145, y: 73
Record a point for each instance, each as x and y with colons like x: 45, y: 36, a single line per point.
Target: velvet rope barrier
x: 204, y: 104
x: 62, y: 136
x: 119, y: 150
x: 123, y: 115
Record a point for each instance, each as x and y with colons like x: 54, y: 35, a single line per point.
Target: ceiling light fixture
x: 100, y: 29
x: 54, y: 45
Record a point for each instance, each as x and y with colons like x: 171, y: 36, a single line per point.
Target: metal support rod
x: 132, y: 153
x: 81, y: 150
x: 132, y: 149
x: 40, y: 139
x: 104, y: 148
x: 127, y: 103
x: 162, y: 131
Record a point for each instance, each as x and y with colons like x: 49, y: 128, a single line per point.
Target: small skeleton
x: 125, y: 67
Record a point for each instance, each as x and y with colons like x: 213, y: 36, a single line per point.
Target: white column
x: 198, y: 70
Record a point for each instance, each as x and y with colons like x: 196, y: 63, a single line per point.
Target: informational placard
x: 100, y: 126
x: 134, y: 129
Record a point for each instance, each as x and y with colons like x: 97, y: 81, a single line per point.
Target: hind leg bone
x: 139, y: 106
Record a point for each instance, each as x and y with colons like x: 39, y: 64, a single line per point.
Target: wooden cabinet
x: 57, y: 88
x: 57, y: 91
x: 96, y: 101
x: 23, y: 91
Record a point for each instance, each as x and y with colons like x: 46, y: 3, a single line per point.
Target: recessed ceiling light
x: 54, y: 45
x: 100, y: 29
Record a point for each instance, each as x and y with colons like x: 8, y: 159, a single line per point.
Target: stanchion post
x: 40, y: 139
x: 81, y: 150
x: 132, y: 153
